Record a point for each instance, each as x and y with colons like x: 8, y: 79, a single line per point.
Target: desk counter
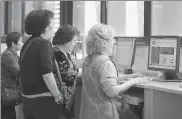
x: 170, y: 87
x: 162, y: 100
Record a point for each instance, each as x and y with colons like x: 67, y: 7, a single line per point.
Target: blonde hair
x: 95, y: 37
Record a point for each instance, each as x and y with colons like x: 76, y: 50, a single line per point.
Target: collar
x: 61, y: 51
x: 13, y: 50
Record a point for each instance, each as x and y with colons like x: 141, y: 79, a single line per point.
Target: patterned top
x: 67, y: 68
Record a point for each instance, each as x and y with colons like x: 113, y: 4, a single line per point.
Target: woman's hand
x: 140, y: 80
x: 135, y: 75
x: 72, y: 72
x: 59, y: 99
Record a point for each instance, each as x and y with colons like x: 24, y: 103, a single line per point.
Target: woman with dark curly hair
x: 64, y: 41
x: 41, y: 97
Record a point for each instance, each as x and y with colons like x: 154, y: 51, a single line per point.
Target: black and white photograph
x: 91, y: 59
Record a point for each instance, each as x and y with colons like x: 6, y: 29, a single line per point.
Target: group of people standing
x: 35, y: 72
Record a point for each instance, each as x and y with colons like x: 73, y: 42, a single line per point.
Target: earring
x: 13, y: 44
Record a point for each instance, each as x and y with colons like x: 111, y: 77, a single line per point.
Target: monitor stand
x: 169, y: 76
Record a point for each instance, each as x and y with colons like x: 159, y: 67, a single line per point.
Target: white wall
x: 117, y: 16
x: 166, y: 18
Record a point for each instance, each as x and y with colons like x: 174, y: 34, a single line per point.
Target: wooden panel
x: 167, y: 105
x: 148, y: 104
x: 8, y: 17
x: 162, y: 105
x: 2, y: 18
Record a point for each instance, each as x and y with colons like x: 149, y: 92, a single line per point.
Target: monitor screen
x: 164, y: 53
x: 123, y: 52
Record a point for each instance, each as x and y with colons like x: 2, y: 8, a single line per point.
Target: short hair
x: 65, y: 34
x: 12, y: 37
x: 95, y: 37
x: 37, y: 21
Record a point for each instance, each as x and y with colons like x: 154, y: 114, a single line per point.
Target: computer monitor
x: 124, y: 53
x: 164, y: 54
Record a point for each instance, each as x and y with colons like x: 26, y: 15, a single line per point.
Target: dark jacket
x: 9, y: 68
x: 37, y: 61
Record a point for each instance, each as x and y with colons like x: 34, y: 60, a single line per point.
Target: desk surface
x: 171, y: 87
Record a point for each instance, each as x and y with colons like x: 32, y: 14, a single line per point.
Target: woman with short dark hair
x: 10, y: 71
x: 13, y: 38
x: 38, y: 21
x: 41, y: 97
x: 65, y: 34
x: 64, y: 41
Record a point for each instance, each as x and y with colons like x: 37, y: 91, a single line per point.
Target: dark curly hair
x: 65, y: 34
x: 12, y: 37
x: 37, y: 21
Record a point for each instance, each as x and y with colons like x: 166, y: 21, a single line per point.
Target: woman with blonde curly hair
x: 99, y: 76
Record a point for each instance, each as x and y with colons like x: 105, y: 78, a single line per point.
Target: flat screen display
x: 163, y: 53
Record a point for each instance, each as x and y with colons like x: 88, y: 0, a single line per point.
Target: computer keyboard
x: 163, y: 80
x: 180, y: 85
x: 158, y: 79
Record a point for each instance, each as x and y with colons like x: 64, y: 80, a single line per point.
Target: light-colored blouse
x: 100, y: 86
